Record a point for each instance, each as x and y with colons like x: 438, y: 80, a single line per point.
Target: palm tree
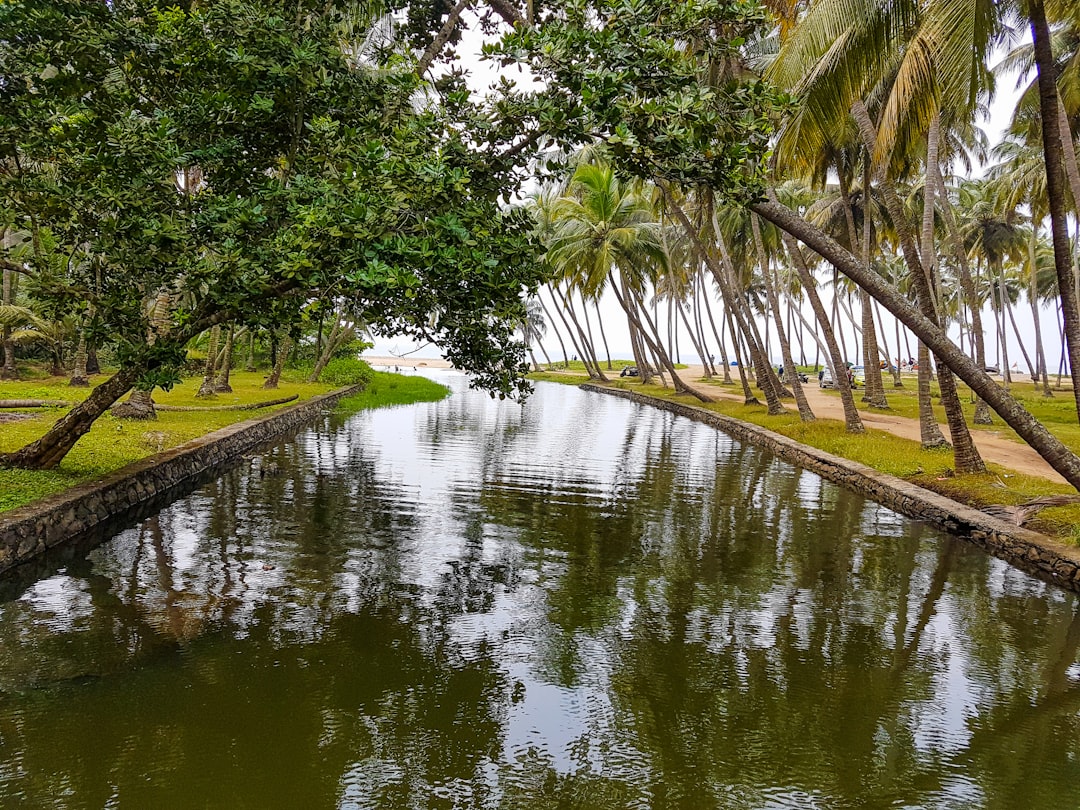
x: 605, y: 232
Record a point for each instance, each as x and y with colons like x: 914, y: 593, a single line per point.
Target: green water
x: 581, y: 603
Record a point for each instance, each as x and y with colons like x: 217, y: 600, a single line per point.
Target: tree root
x: 34, y: 403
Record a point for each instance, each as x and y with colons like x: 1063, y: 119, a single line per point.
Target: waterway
x: 576, y: 603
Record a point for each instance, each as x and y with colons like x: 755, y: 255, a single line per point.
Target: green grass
x: 891, y: 454
x: 386, y: 389
x: 113, y: 443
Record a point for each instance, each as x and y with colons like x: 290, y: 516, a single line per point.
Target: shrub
x: 346, y: 371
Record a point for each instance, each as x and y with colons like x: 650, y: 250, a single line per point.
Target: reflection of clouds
x: 59, y: 604
x: 476, y: 601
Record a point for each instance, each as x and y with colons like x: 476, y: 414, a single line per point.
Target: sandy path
x: 405, y: 363
x: 993, y: 448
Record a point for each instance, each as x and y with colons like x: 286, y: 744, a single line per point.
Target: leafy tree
x: 236, y: 159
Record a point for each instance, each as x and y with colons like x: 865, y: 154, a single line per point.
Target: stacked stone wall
x: 31, y: 530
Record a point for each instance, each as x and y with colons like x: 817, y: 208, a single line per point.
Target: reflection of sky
x: 409, y: 486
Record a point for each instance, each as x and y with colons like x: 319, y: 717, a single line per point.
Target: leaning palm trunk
x: 966, y: 456
x: 282, y: 357
x: 694, y: 340
x: 207, y: 387
x: 588, y: 356
x: 805, y: 413
x: 1056, y: 454
x: 740, y: 365
x: 718, y: 334
x: 221, y: 384
x: 554, y: 329
x: 80, y: 378
x: 653, y: 341
x: 852, y: 420
x: 1033, y: 299
x: 731, y: 299
x: 603, y: 336
x: 967, y: 287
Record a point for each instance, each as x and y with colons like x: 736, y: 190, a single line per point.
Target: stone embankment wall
x: 30, y: 530
x: 1030, y: 551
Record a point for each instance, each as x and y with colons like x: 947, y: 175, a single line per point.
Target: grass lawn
x: 113, y: 443
x: 891, y: 454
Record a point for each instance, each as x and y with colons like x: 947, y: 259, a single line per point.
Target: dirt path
x: 996, y: 449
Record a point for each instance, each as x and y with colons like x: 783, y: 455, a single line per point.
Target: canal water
x: 576, y: 603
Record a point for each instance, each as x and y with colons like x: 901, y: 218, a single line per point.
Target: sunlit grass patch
x: 386, y: 389
x: 113, y: 443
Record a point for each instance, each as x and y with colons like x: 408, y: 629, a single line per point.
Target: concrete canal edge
x: 30, y: 530
x: 1029, y: 551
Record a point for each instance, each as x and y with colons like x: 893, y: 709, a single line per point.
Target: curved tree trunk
x: 48, y: 451
x: 805, y: 412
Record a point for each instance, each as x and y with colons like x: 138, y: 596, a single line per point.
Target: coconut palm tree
x: 605, y: 233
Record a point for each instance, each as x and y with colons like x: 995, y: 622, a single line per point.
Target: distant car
x: 825, y: 378
x: 992, y: 370
x: 629, y: 371
x: 858, y: 376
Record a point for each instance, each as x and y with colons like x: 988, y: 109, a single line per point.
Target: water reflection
x: 578, y: 603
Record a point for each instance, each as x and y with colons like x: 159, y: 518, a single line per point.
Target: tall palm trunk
x: 80, y: 378
x: 588, y: 354
x: 852, y: 420
x: 8, y: 371
x: 250, y: 364
x: 718, y: 334
x: 206, y: 389
x: 965, y: 454
x: 792, y: 373
x: 1056, y: 454
x: 603, y: 335
x: 748, y: 394
x: 554, y: 328
x: 1033, y: 299
x: 733, y: 301
x: 967, y: 287
x: 655, y: 342
x: 1055, y: 188
x: 222, y: 384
